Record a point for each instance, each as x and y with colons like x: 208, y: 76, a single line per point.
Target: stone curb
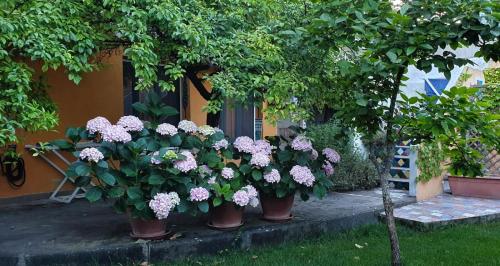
x: 156, y: 251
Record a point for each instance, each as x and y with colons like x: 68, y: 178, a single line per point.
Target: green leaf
x: 116, y: 192
x: 392, y: 56
x: 256, y: 175
x: 93, y: 194
x: 82, y: 181
x: 176, y: 140
x: 82, y: 170
x: 404, y: 9
x: 134, y: 193
x: 217, y: 202
x: 362, y: 102
x: 245, y: 168
x: 410, y: 50
x: 203, y: 206
x: 156, y: 179
x: 108, y: 178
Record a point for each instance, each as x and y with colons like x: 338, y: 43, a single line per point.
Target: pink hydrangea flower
x: 273, y: 176
x: 166, y: 129
x: 91, y: 155
x: 186, y: 165
x: 227, y: 173
x: 244, y: 144
x: 198, y: 194
x: 252, y: 192
x: 331, y: 155
x: 204, y: 170
x: 302, y: 175
x: 97, y: 125
x: 260, y: 159
x: 206, y: 130
x: 221, y: 144
x: 301, y: 143
x: 263, y: 146
x: 328, y: 168
x: 241, y: 198
x: 211, y: 180
x: 163, y: 203
x: 187, y: 126
x: 116, y: 133
x: 131, y: 123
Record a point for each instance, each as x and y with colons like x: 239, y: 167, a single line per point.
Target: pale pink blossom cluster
x: 187, y: 126
x: 302, y: 175
x: 227, y: 173
x: 131, y: 123
x: 244, y: 144
x: 206, y: 130
x: 301, y: 143
x: 272, y: 177
x: 154, y: 158
x: 163, y: 203
x: 211, y: 180
x: 260, y: 159
x: 263, y: 146
x: 331, y: 155
x: 246, y: 195
x: 328, y: 168
x: 187, y: 164
x: 204, y: 170
x: 198, y: 194
x: 221, y: 144
x: 166, y: 129
x: 116, y: 133
x: 97, y: 125
x: 91, y: 155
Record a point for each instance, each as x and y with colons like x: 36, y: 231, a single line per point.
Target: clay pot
x: 226, y: 216
x: 480, y: 187
x: 148, y: 229
x: 276, y: 209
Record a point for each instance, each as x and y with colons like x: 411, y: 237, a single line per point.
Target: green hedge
x: 354, y: 171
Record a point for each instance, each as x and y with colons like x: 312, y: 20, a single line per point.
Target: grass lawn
x: 458, y: 245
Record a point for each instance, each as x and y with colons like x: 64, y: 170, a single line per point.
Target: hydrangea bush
x: 296, y: 166
x: 146, y: 167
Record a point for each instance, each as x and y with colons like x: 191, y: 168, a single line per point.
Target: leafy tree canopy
x: 239, y: 42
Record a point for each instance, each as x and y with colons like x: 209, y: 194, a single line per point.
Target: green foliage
x: 492, y: 76
x: 238, y: 41
x: 386, y: 41
x: 355, y: 171
x: 430, y: 157
x: 53, y: 33
x: 459, y: 119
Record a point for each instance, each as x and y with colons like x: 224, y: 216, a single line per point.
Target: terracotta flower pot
x: 226, y: 216
x: 276, y: 209
x: 148, y: 229
x: 480, y: 187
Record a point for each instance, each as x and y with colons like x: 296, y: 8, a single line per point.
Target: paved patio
x: 81, y: 233
x: 447, y: 209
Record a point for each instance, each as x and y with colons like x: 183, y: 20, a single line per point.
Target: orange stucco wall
x: 99, y: 93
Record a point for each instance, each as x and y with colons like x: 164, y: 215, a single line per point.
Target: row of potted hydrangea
x: 151, y: 170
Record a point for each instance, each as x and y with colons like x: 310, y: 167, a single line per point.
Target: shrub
x: 355, y: 171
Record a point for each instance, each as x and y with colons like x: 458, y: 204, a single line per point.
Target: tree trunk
x: 384, y: 170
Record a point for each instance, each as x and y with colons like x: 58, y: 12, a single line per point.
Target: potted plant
x: 463, y: 121
x: 137, y: 165
x: 222, y: 190
x: 278, y: 168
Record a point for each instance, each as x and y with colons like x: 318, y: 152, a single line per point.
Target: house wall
x: 99, y: 93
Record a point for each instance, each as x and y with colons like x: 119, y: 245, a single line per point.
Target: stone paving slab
x: 81, y: 233
x: 447, y: 209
